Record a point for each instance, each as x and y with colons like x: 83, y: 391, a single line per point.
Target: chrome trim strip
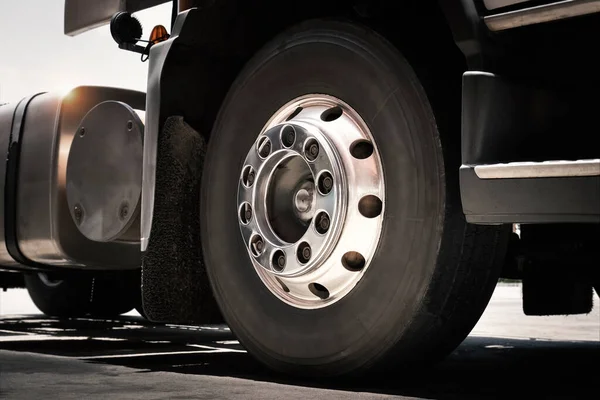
x: 546, y: 169
x: 544, y: 13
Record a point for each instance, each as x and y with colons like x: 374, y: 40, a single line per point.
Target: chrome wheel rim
x: 311, y: 200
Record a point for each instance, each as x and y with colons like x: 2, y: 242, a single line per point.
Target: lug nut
x: 325, y: 182
x: 288, y: 135
x: 264, y: 147
x: 304, y: 253
x: 248, y: 176
x: 322, y: 222
x: 256, y: 245
x: 279, y: 260
x: 311, y: 149
x: 246, y: 213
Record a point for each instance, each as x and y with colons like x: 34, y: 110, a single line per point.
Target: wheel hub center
x: 303, y: 201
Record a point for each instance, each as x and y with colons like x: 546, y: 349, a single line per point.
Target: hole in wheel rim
x: 257, y: 245
x: 264, y: 147
x: 283, y: 285
x: 248, y: 176
x: 311, y: 149
x: 361, y: 149
x: 325, y: 182
x: 353, y: 261
x: 322, y: 222
x: 245, y: 213
x: 304, y: 253
x: 288, y: 136
x: 293, y: 115
x: 370, y: 206
x: 331, y: 114
x: 318, y: 290
x: 278, y: 261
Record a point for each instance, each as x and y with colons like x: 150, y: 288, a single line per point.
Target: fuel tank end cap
x: 104, y: 172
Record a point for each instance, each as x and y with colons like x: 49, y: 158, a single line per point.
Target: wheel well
x: 230, y: 32
x: 212, y: 48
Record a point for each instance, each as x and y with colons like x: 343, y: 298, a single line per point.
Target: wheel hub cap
x: 310, y: 201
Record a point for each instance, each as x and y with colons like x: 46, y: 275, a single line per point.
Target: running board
x: 531, y: 192
x: 546, y: 169
x: 540, y: 14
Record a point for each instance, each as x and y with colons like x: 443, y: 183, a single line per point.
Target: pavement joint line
x: 165, y: 353
x: 17, y: 332
x: 492, y: 336
x: 216, y: 348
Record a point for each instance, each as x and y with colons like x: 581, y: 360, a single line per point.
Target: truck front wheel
x: 332, y: 228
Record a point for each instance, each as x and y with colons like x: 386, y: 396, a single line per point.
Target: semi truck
x: 336, y: 180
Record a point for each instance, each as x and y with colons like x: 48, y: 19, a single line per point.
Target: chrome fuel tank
x: 37, y: 223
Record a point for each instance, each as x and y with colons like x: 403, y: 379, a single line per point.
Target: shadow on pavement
x: 482, y: 367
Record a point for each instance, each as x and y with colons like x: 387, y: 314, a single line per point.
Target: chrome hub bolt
x: 256, y: 245
x: 251, y: 177
x: 322, y: 222
x: 311, y: 149
x: 325, y: 182
x: 279, y: 260
x: 304, y: 253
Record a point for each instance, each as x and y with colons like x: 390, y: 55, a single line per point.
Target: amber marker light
x: 159, y: 34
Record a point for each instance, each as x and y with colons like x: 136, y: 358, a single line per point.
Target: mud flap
x: 175, y: 286
x: 552, y: 290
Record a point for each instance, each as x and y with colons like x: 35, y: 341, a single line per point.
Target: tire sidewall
x: 359, y: 67
x: 69, y: 298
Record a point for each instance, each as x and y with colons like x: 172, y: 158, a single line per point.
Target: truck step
x: 545, y: 169
x: 532, y: 192
x: 542, y: 13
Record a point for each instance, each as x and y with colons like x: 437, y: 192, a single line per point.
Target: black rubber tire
x: 432, y: 275
x: 69, y: 298
x: 115, y: 293
x: 77, y: 294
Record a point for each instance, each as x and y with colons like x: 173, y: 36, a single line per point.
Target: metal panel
x: 529, y: 200
x: 45, y: 230
x: 493, y: 4
x: 158, y: 57
x: 544, y: 13
x: 7, y: 113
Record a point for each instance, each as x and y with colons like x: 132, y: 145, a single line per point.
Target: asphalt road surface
x: 508, y: 355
